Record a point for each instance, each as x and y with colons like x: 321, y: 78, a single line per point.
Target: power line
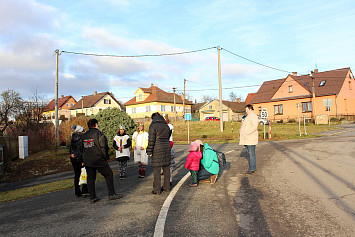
x: 136, y: 56
x: 255, y: 61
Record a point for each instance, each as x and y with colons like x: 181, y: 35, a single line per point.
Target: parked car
x: 260, y: 120
x: 212, y: 119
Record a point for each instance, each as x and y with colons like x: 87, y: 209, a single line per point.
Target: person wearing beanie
x: 139, y: 145
x: 76, y: 160
x: 122, y: 143
x: 193, y: 162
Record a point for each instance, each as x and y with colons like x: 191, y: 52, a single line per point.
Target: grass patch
x: 13, y: 195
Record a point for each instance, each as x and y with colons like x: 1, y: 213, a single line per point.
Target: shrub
x: 281, y: 121
x: 109, y: 121
x: 292, y: 120
x: 334, y: 119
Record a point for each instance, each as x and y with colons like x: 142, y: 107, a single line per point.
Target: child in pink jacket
x: 193, y: 162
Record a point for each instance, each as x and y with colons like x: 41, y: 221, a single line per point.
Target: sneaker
x: 85, y: 195
x: 92, y: 201
x: 193, y: 185
x: 141, y: 176
x: 123, y: 177
x: 156, y: 193
x: 204, y: 181
x: 250, y: 172
x: 115, y: 196
x: 213, y: 178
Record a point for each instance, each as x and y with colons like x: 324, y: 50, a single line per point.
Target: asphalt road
x: 301, y: 188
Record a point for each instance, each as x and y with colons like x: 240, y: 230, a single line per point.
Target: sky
x: 260, y: 40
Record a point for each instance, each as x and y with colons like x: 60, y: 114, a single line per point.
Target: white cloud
x: 25, y: 15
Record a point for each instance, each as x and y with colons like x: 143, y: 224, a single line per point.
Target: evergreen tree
x: 109, y: 121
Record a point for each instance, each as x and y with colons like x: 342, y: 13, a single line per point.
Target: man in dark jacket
x: 159, y: 150
x: 94, y: 148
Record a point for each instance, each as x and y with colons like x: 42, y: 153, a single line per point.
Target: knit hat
x: 79, y: 129
x: 194, y: 146
x: 122, y: 127
x: 73, y: 127
x: 199, y: 142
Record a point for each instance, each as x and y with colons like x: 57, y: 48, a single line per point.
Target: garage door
x: 225, y: 117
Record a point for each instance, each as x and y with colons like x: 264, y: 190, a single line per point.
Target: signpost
x: 299, y: 121
x: 327, y: 103
x: 188, y: 118
x: 264, y: 115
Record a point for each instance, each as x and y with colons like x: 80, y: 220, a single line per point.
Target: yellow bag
x: 83, y: 177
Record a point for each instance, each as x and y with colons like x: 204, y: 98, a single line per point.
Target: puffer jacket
x: 158, y: 142
x: 193, y: 160
x: 248, y: 134
x: 75, y: 145
x: 209, y: 159
x: 94, y: 148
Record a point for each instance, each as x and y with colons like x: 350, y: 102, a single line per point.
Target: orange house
x: 313, y: 96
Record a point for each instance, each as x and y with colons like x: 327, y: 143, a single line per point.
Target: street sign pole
x: 188, y: 118
x: 299, y: 121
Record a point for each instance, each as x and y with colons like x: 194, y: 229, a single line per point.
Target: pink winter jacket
x: 193, y: 160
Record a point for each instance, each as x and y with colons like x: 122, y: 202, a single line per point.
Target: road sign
x: 263, y: 113
x: 187, y: 116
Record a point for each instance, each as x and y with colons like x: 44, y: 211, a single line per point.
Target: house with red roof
x: 313, y: 96
x: 93, y: 104
x: 231, y: 110
x: 64, y: 104
x: 154, y: 99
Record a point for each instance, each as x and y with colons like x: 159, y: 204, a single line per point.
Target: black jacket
x: 158, y: 142
x: 94, y: 148
x: 75, y: 145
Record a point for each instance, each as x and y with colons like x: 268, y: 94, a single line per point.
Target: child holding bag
x: 193, y: 162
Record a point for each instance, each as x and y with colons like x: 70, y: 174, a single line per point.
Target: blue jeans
x: 252, y: 158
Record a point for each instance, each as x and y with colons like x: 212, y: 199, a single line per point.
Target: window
x: 306, y: 107
x: 147, y: 109
x: 107, y: 101
x: 72, y: 105
x: 210, y: 107
x: 67, y: 104
x: 290, y: 89
x: 172, y: 108
x: 162, y: 108
x: 278, y: 109
x: 140, y: 97
x: 322, y: 83
x: 133, y: 110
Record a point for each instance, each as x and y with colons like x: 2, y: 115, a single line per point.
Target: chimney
x: 62, y: 96
x: 95, y: 92
x: 238, y: 100
x: 315, y: 70
x: 294, y: 73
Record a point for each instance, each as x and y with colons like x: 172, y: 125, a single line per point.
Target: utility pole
x: 313, y: 99
x: 174, y: 88
x: 220, y: 90
x: 56, y: 98
x: 183, y: 101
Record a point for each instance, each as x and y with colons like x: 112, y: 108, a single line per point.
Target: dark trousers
x: 203, y: 173
x: 77, y: 165
x: 108, y: 175
x: 157, y: 178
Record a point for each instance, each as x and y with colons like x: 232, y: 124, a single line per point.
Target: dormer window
x: 140, y: 97
x: 290, y: 89
x: 322, y: 83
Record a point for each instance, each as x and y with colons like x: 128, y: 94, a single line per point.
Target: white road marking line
x: 160, y: 224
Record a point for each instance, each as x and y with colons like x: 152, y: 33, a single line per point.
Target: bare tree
x: 234, y: 97
x: 10, y: 102
x: 30, y: 113
x: 207, y: 98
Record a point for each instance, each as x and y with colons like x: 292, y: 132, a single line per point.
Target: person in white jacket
x: 248, y: 136
x: 122, y: 143
x: 139, y: 145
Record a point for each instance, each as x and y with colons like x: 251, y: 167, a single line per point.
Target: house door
x: 225, y: 117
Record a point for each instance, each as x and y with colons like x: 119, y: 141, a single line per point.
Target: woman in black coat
x: 159, y: 150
